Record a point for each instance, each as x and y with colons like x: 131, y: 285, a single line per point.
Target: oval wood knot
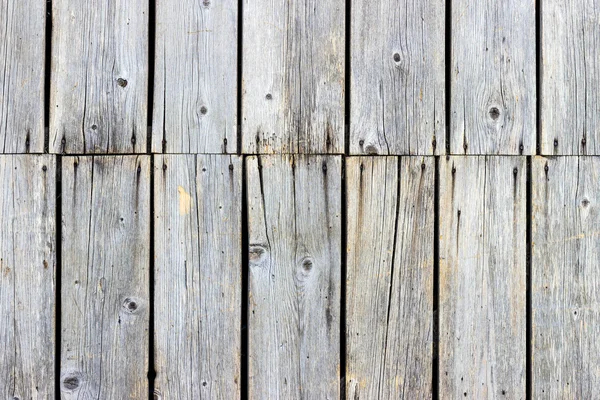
x: 71, y: 381
x: 130, y: 305
x: 494, y: 113
x: 257, y: 253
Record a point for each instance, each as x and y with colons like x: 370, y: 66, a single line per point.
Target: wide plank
x: 294, y: 234
x: 389, y: 292
x: 27, y: 276
x: 197, y: 281
x: 293, y: 76
x: 482, y: 277
x: 105, y: 277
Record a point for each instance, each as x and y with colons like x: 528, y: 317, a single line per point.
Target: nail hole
x: 94, y: 127
x: 307, y: 265
x: 269, y: 96
x: 130, y: 305
x: 585, y: 202
x: 555, y: 142
x: 203, y: 110
x: 396, y: 57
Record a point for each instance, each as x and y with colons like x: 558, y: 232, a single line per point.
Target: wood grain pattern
x: 27, y: 276
x: 22, y: 43
x: 99, y: 76
x: 197, y: 216
x: 482, y: 283
x: 397, y: 77
x: 293, y: 76
x: 294, y: 229
x: 389, y: 292
x: 195, y: 81
x: 493, y: 77
x: 565, y: 284
x: 105, y: 277
x: 569, y: 121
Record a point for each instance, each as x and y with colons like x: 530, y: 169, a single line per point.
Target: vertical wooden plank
x: 565, y: 285
x: 294, y: 206
x: 493, y: 77
x: 570, y: 77
x: 27, y: 276
x: 99, y: 75
x: 198, y: 208
x: 397, y: 77
x: 293, y: 76
x: 105, y: 277
x: 195, y: 82
x: 390, y: 277
x: 22, y: 44
x: 482, y: 288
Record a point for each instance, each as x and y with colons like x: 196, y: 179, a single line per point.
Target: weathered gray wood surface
x: 195, y: 81
x: 105, y: 277
x: 197, y: 217
x: 565, y: 286
x: 22, y: 39
x: 293, y: 76
x: 482, y: 281
x: 294, y: 230
x: 570, y: 123
x: 397, y: 81
x: 99, y: 85
x: 389, y: 291
x: 493, y: 77
x: 27, y: 276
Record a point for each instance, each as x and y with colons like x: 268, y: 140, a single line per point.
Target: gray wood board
x: 105, y: 277
x: 397, y: 77
x: 293, y: 76
x: 197, y: 245
x: 389, y: 292
x: 27, y: 276
x: 294, y: 229
x: 482, y: 277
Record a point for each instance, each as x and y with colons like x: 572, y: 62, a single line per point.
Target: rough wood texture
x: 99, y: 76
x: 27, y: 276
x: 565, y: 284
x: 493, y: 77
x: 389, y: 290
x: 570, y: 123
x: 397, y: 77
x: 105, y: 277
x: 482, y: 287
x: 195, y: 82
x: 198, y: 224
x: 22, y: 40
x: 293, y: 76
x: 294, y: 207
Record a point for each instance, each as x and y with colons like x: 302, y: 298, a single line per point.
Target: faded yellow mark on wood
x: 185, y: 201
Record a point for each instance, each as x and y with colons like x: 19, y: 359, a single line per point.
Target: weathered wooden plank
x: 198, y: 209
x: 105, y: 277
x: 569, y: 105
x: 493, y: 77
x: 195, y: 82
x: 482, y: 284
x: 99, y: 75
x: 389, y: 292
x: 27, y: 276
x: 293, y: 76
x: 294, y: 207
x: 397, y: 77
x: 565, y: 284
x: 22, y: 40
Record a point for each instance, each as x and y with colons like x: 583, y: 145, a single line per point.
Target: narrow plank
x: 389, y: 294
x: 482, y: 284
x: 397, y: 77
x: 565, y: 284
x: 569, y: 121
x: 105, y: 277
x: 197, y: 244
x: 293, y: 76
x: 294, y: 230
x: 493, y: 77
x: 99, y: 75
x: 27, y: 276
x: 22, y: 43
x: 195, y: 82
